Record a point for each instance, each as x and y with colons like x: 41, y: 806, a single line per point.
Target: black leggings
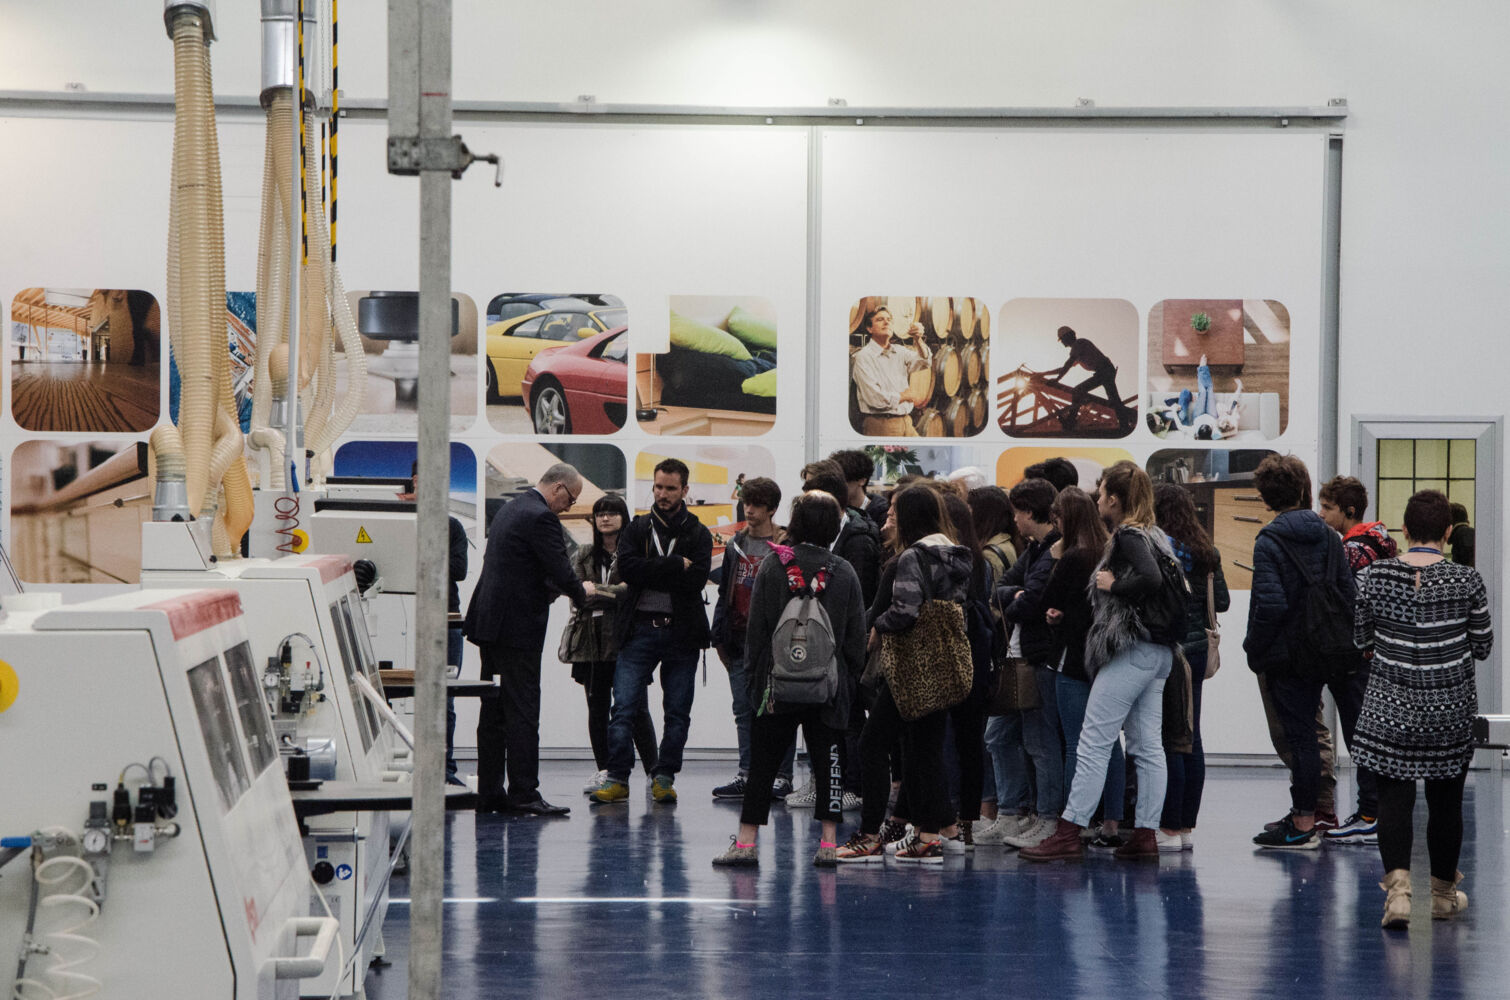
x: 597, y: 680
x: 883, y: 728
x: 1444, y: 823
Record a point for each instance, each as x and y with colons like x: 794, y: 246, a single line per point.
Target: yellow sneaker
x: 661, y: 788
x: 610, y: 791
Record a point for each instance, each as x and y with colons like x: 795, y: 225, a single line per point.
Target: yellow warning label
x: 363, y: 537
x: 9, y: 685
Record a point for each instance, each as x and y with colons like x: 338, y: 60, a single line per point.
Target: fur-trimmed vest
x: 1116, y: 624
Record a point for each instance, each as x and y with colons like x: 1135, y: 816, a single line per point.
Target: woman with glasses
x: 590, y: 646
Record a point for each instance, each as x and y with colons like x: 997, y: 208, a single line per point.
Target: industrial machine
x: 309, y: 640
x: 151, y: 848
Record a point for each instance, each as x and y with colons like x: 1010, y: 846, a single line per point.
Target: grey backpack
x: 804, y: 659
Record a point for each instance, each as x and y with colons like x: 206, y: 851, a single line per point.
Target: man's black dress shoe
x: 538, y: 807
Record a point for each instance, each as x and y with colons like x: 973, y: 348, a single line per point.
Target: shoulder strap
x: 1211, y: 600
x: 1000, y: 556
x: 1305, y: 571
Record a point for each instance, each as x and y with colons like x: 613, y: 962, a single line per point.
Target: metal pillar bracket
x: 407, y: 156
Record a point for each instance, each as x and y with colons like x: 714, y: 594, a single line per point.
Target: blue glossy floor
x: 621, y: 901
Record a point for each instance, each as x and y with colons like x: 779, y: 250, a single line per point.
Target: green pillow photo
x: 694, y: 336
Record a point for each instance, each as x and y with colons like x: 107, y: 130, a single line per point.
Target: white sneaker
x: 955, y: 844
x: 905, y: 841
x: 1187, y: 842
x: 1034, y: 835
x: 992, y: 833
x: 1169, y: 843
x: 850, y: 801
x: 596, y: 780
x: 805, y: 797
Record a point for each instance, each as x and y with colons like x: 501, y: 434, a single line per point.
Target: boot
x: 1141, y: 846
x: 1397, y: 904
x: 1447, y: 901
x: 1062, y: 845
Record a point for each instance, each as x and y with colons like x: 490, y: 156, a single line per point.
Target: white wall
x: 1425, y: 209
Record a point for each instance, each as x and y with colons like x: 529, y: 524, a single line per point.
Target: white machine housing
x: 317, y: 596
x: 215, y: 912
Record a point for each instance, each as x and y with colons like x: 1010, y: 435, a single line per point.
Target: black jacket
x: 643, y: 567
x: 1272, y: 604
x: 1021, y: 597
x: 846, y: 613
x: 859, y: 543
x: 1068, y: 591
x: 524, y: 568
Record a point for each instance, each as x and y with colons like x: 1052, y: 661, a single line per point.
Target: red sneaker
x: 1327, y: 821
x: 1062, y: 845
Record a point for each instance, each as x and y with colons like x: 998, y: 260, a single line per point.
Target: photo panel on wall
x: 86, y: 360
x: 392, y: 464
x: 1218, y: 370
x: 718, y: 379
x: 514, y: 467
x: 388, y: 323
x: 556, y: 363
x: 1220, y: 481
x: 1071, y: 368
x: 76, y: 510
x: 919, y: 366
x: 1071, y: 466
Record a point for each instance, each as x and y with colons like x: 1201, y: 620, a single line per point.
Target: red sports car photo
x: 582, y: 388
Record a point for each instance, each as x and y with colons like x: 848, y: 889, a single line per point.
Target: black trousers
x: 597, y: 680
x: 853, y: 760
x: 1444, y: 823
x: 1295, y: 700
x: 770, y: 735
x: 883, y: 728
x: 969, y: 721
x: 508, y: 726
x: 1347, y: 692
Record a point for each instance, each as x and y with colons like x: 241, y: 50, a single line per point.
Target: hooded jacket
x: 1364, y: 543
x: 846, y: 614
x: 1277, y: 583
x: 932, y: 568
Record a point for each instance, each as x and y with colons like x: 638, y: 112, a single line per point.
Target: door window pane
x: 1431, y: 459
x: 1396, y: 459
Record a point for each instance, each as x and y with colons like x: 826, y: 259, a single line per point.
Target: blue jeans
x: 1127, y: 693
x: 1045, y: 744
x: 1006, y: 781
x: 1073, y: 696
x: 1205, y: 399
x: 739, y: 689
x: 646, y: 649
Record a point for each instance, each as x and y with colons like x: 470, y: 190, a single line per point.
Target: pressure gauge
x: 96, y: 840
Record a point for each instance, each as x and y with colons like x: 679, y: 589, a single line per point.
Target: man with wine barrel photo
x: 883, y: 372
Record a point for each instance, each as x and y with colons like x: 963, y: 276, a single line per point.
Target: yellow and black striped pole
x: 299, y: 105
x: 335, y: 118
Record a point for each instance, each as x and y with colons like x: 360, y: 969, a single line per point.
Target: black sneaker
x: 733, y: 790
x: 780, y: 789
x: 1286, y: 837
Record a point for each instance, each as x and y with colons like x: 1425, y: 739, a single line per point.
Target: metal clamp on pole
x: 408, y: 155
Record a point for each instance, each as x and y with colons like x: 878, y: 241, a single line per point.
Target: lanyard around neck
x: 655, y: 536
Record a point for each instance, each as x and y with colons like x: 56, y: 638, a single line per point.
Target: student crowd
x: 974, y: 667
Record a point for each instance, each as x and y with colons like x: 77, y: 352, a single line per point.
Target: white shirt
x: 880, y: 376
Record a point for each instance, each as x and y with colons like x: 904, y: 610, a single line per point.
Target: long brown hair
x: 1080, y: 524
x: 1131, y: 485
x: 1176, y: 515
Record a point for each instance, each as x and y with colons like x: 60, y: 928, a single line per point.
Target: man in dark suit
x: 524, y: 568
